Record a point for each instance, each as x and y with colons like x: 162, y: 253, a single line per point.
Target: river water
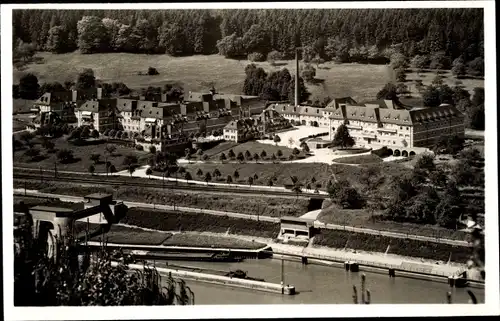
x: 318, y: 284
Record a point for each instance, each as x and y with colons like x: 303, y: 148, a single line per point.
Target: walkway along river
x: 318, y: 284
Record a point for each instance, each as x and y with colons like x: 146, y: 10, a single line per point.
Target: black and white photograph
x: 249, y: 160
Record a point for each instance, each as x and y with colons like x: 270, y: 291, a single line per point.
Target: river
x: 319, y: 284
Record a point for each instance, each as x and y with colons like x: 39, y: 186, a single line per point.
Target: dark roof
x: 98, y: 105
x: 53, y: 209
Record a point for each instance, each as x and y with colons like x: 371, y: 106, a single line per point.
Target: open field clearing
x: 201, y: 240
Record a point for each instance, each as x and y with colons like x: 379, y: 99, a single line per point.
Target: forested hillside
x: 346, y: 35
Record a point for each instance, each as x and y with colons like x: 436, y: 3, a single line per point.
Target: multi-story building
x: 100, y: 114
x: 381, y: 122
x: 56, y: 107
x: 245, y: 128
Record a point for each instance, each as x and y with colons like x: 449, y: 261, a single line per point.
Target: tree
x: 256, y: 57
x: 92, y: 36
x: 24, y: 50
x: 438, y: 80
x: 28, y: 86
x: 48, y: 145
x: 295, y: 151
x: 305, y: 147
x: 152, y: 149
x: 95, y: 134
x: 440, y: 61
x: 222, y: 157
x: 250, y: 181
x: 279, y: 153
x: 291, y: 141
x: 95, y: 157
x: 458, y: 68
x: 476, y: 117
x: 208, y: 177
x: 400, y: 75
x: 342, y: 193
x: 240, y: 157
x: 229, y: 179
x: 110, y: 149
x: 85, y: 79
x: 231, y: 154
x: 256, y: 157
x: 231, y: 46
x: 263, y: 154
x: 216, y: 174
x: 478, y: 96
x: 274, y: 56
x: 270, y: 182
x: 204, y: 157
x: 65, y: 156
x: 342, y: 137
x: 199, y: 173
x: 430, y: 97
x: 389, y: 92
x: 248, y: 155
x: 112, y: 169
x: 476, y: 66
x: 57, y: 40
x: 308, y: 73
x: 152, y: 71
x: 297, y: 189
x: 91, y: 169
x: 398, y: 61
x: 187, y: 176
x: 33, y: 153
x: 276, y: 139
x: 149, y: 171
x: 419, y: 62
x: 425, y: 162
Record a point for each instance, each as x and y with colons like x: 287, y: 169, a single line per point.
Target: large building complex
x: 267, y: 122
x: 381, y: 122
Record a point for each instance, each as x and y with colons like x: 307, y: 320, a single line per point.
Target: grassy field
x: 195, y: 73
x: 200, y: 240
x: 81, y: 154
x: 360, y: 159
x: 198, y: 222
x: 265, y: 171
x: 21, y: 105
x: 405, y: 247
x: 275, y: 207
x: 362, y: 218
x: 129, y: 235
x: 251, y: 146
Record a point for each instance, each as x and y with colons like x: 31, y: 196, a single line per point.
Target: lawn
x: 448, y: 78
x: 376, y: 243
x: 359, y: 159
x: 265, y: 171
x: 21, y: 105
x: 266, y: 206
x: 251, y: 146
x: 81, y: 154
x: 198, y: 222
x: 362, y: 218
x: 130, y: 235
x: 200, y: 240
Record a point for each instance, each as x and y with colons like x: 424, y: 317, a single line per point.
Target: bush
x: 152, y: 71
x: 256, y: 56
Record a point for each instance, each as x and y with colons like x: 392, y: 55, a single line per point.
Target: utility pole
x: 282, y: 276
x: 296, y: 76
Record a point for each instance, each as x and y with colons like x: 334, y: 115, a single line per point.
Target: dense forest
x: 346, y: 35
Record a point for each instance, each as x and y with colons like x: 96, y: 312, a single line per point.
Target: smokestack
x: 296, y: 76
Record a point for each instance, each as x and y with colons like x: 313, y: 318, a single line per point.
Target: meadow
x: 195, y: 73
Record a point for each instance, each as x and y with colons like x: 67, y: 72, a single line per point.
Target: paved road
x: 317, y: 224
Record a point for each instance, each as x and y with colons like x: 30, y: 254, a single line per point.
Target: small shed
x: 296, y: 226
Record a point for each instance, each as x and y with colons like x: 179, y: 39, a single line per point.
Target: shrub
x: 256, y: 56
x: 152, y: 71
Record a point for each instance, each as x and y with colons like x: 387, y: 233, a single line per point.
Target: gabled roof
x: 426, y: 115
x: 335, y: 103
x: 98, y: 105
x: 363, y: 113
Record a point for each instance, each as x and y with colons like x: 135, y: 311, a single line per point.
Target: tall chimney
x: 296, y: 76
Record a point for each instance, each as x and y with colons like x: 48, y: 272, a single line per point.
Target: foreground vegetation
x: 78, y: 278
x: 405, y: 247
